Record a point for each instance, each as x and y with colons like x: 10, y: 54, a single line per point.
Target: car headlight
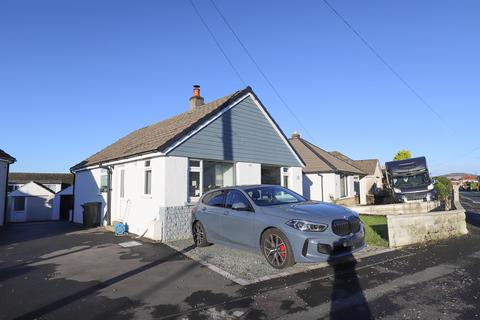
x: 303, y: 225
x: 396, y: 190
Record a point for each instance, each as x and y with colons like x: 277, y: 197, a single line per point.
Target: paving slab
x: 246, y: 267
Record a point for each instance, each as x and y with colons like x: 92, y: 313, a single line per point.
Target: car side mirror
x: 240, y: 206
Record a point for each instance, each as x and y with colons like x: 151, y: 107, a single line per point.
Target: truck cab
x: 409, y: 180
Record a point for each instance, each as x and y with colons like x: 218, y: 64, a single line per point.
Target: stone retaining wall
x: 405, y: 229
x: 397, y: 208
x: 176, y: 222
x: 410, y: 223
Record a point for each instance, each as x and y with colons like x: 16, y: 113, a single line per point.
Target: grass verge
x: 376, y: 230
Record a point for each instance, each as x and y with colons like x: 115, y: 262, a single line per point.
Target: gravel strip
x: 246, y: 267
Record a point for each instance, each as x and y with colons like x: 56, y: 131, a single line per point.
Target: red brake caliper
x: 282, y: 250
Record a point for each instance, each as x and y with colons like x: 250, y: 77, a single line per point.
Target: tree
x: 403, y: 154
x: 443, y: 187
x: 473, y: 186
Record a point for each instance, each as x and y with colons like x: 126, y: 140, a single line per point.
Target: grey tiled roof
x: 368, y: 165
x: 161, y: 135
x: 42, y: 178
x: 319, y: 160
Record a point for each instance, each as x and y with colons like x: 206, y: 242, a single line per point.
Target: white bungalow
x: 31, y: 202
x: 150, y: 178
x: 326, y: 177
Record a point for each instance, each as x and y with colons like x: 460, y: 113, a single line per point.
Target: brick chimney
x: 196, y: 100
x: 295, y: 135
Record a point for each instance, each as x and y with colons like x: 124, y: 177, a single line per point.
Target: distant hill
x: 458, y: 175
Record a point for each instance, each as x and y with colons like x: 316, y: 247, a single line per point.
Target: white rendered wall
x: 37, y: 208
x: 350, y: 186
x: 137, y: 209
x: 3, y: 186
x: 175, y: 181
x: 295, y: 181
x: 313, y: 186
x: 363, y: 190
x: 16, y: 216
x: 248, y: 173
x: 87, y: 189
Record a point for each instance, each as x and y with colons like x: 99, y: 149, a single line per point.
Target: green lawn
x: 376, y: 230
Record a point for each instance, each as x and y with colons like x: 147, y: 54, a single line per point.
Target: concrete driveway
x: 58, y: 271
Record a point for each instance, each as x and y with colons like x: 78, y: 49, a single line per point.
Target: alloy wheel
x: 198, y: 234
x: 275, y: 250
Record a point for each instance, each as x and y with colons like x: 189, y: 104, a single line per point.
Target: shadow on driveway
x: 28, y: 231
x: 60, y: 303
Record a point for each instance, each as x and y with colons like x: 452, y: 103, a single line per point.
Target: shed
x: 31, y: 202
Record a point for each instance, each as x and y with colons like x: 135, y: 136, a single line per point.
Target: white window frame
x: 122, y: 183
x: 345, y: 185
x: 285, y: 173
x: 101, y: 189
x: 200, y: 170
x: 146, y: 169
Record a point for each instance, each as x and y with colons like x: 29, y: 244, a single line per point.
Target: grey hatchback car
x: 283, y: 225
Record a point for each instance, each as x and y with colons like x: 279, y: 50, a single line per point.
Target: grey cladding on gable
x: 241, y: 134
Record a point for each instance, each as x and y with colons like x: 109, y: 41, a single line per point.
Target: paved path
x: 60, y: 271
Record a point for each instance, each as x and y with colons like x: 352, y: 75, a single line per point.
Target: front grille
x: 416, y: 196
x: 354, y: 224
x: 343, y: 227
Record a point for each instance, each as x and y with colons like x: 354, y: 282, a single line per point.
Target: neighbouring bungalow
x: 5, y: 161
x: 30, y: 202
x: 62, y: 206
x: 53, y: 181
x: 151, y: 177
x: 370, y: 184
x: 326, y: 177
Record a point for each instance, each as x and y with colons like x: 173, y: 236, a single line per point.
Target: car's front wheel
x: 276, y: 249
x: 199, y: 234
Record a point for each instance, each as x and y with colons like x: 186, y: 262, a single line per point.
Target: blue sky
x: 76, y: 76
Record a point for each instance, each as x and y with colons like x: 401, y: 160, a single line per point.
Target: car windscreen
x: 273, y: 195
x: 411, y: 181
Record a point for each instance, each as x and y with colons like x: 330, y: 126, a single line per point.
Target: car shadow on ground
x: 347, y: 298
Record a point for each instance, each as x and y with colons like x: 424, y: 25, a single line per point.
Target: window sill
x: 147, y: 196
